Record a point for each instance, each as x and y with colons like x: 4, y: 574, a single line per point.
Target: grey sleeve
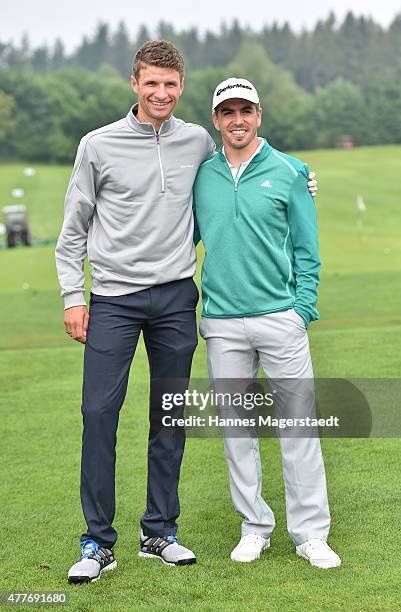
x: 80, y: 202
x: 210, y: 147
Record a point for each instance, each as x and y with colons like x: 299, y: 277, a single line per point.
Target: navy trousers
x: 166, y: 316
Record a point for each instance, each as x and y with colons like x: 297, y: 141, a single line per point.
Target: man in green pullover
x: 257, y: 221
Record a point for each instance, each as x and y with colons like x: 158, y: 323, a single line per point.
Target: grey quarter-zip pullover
x: 128, y: 207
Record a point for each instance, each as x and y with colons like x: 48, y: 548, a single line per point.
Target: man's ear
x: 182, y: 85
x: 134, y: 83
x: 259, y: 120
x: 215, y: 120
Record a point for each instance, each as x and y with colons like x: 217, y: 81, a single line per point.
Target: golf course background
x: 358, y: 336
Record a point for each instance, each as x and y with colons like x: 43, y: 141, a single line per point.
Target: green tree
x: 394, y: 41
x: 40, y: 59
x: 121, y: 51
x: 310, y: 71
x: 33, y: 114
x: 84, y: 102
x: 382, y: 99
x: 197, y: 96
x: 91, y: 54
x: 142, y: 36
x: 191, y: 46
x: 7, y: 123
x: 338, y: 110
x: 58, y: 58
x: 54, y: 109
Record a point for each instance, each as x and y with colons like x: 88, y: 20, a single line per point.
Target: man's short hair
x: 159, y: 53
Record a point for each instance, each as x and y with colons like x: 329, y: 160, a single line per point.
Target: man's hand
x: 76, y: 321
x: 312, y: 184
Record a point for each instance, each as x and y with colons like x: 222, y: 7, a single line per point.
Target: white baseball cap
x: 234, y: 88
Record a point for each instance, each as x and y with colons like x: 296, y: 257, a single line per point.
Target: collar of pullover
x: 244, y: 163
x: 147, y: 128
x: 259, y: 155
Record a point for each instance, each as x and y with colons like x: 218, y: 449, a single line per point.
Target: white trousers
x: 279, y: 342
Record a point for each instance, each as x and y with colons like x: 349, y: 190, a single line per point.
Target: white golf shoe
x: 318, y: 553
x: 94, y: 561
x: 250, y: 547
x: 167, y: 549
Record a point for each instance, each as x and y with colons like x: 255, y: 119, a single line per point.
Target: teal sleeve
x: 303, y: 231
x: 210, y: 147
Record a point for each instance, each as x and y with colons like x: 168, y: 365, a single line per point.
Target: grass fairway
x: 40, y: 376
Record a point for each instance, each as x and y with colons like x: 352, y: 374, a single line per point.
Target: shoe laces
x: 172, y: 538
x: 89, y: 549
x: 316, y: 544
x: 252, y: 538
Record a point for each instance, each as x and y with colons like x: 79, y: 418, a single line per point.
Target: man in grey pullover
x: 128, y: 210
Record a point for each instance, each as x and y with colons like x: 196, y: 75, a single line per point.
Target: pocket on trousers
x: 298, y: 320
x: 202, y: 330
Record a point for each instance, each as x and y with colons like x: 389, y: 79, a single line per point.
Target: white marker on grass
x: 360, y: 204
x: 17, y: 193
x: 29, y: 171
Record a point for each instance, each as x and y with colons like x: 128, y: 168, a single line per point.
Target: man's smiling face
x: 238, y: 121
x: 158, y: 91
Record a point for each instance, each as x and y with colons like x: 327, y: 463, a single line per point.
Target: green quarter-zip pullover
x: 259, y: 231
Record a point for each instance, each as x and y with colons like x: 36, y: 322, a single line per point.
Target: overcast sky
x: 44, y: 20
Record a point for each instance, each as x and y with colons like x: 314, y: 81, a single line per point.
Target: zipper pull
x: 160, y: 161
x: 237, y: 178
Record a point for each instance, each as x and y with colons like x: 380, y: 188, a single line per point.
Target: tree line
x: 318, y: 86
